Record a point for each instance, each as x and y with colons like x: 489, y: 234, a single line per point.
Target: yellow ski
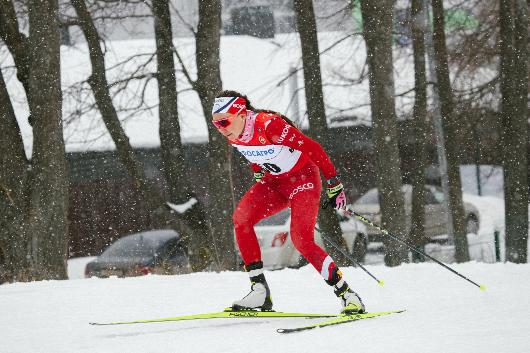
x: 340, y: 319
x: 227, y: 314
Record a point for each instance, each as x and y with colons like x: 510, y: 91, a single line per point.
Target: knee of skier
x: 241, y: 218
x: 303, y: 247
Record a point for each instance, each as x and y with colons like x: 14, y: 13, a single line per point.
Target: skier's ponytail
x: 286, y: 119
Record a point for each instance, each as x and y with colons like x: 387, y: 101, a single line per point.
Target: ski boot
x: 351, y: 302
x: 259, y: 297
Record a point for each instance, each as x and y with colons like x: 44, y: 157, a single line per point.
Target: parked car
x: 278, y: 250
x: 155, y: 251
x: 435, y: 214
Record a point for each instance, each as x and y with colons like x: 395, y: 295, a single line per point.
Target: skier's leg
x: 261, y: 201
x: 304, y: 193
x: 304, y: 211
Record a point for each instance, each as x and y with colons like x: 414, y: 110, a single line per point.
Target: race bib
x: 276, y: 159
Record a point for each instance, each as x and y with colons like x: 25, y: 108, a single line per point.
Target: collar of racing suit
x: 248, y: 131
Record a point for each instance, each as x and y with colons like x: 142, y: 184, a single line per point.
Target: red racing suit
x: 292, y: 161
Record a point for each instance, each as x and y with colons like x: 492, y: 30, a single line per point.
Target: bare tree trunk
x: 47, y: 218
x: 15, y: 40
x: 13, y: 192
x: 451, y: 126
x: 417, y: 232
x: 306, y: 24
x: 180, y: 190
x: 377, y: 30
x: 208, y: 84
x: 514, y: 111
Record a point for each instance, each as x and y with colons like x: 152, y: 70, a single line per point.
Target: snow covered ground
x: 444, y: 313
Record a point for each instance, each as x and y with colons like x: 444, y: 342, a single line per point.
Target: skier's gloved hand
x: 335, y: 192
x: 259, y: 175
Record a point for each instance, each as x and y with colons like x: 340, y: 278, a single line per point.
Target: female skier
x: 286, y: 166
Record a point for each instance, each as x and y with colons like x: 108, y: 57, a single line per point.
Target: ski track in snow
x: 444, y: 313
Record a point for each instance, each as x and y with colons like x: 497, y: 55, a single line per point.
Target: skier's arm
x: 281, y: 133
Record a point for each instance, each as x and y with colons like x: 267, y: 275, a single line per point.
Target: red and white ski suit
x: 292, y: 161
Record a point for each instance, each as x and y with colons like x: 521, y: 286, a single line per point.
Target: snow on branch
x: 183, y: 207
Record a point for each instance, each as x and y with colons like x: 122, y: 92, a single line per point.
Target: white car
x: 488, y: 244
x: 278, y: 250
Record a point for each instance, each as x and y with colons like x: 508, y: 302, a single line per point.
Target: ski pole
x: 351, y: 258
x: 413, y: 248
